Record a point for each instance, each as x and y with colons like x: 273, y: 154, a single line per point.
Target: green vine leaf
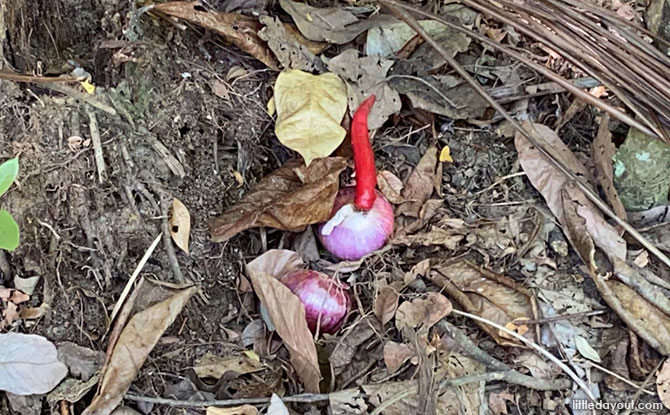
x: 8, y: 172
x: 9, y: 231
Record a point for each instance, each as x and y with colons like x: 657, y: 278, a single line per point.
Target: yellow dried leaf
x: 309, y: 111
x: 180, y: 224
x: 88, y: 87
x: 445, y: 155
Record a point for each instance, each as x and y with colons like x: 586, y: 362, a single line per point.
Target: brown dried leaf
x: 289, y: 199
x: 498, y: 401
x: 419, y: 186
x: 346, y: 349
x: 559, y: 193
x: 395, y: 355
x: 663, y: 384
x: 331, y: 24
x: 427, y: 310
x: 286, y: 312
x: 132, y: 348
x: 238, y: 410
x: 390, y: 186
x: 386, y: 304
x: 180, y: 224
x: 240, y: 30
x: 211, y: 366
x: 603, y: 150
x: 418, y: 270
x: 436, y: 236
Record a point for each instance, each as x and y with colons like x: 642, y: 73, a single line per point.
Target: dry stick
x: 133, y: 277
x: 621, y: 378
x: 97, y: 145
x: 590, y: 194
x: 640, y: 388
x: 166, y: 203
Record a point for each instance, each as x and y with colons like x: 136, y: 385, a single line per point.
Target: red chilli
x: 364, y: 161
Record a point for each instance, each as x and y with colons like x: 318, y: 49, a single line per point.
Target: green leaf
x: 9, y: 231
x: 8, y: 172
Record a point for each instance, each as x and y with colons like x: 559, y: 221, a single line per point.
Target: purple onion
x: 358, y: 232
x: 326, y: 299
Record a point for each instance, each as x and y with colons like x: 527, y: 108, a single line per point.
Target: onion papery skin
x: 326, y: 299
x: 360, y: 233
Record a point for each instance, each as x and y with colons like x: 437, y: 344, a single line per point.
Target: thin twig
x: 302, y: 398
x: 621, y: 378
x: 97, y: 145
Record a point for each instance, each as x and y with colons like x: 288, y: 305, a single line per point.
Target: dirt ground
x: 172, y: 136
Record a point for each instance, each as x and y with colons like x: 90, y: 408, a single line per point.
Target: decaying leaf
x: 586, y: 350
x: 396, y: 354
x: 72, y: 390
x: 290, y: 198
x: 538, y: 367
x: 180, y: 224
x: 585, y: 220
x: 216, y: 366
x: 27, y: 284
x: 427, y: 310
x: 436, y: 236
x: 498, y: 402
x: 81, y: 362
x: 387, y: 40
x: 359, y: 335
x: 419, y: 186
x: 491, y: 296
x: 455, y: 99
x: 348, y: 402
x: 29, y: 364
x: 238, y: 29
x: 331, y: 24
x: 663, y: 384
x: 238, y: 410
x: 310, y: 109
x: 291, y: 53
x: 286, y: 312
x: 386, y: 304
x: 390, y: 186
x: 366, y: 75
x: 132, y: 348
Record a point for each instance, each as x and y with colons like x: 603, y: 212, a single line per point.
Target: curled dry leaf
x: 390, y: 186
x: 286, y: 312
x: 132, y: 348
x: 180, y: 224
x: 427, y: 310
x: 366, y: 75
x: 310, y: 109
x: 603, y: 150
x: 238, y: 410
x: 331, y: 24
x: 289, y: 199
x: 663, y: 384
x: 386, y: 304
x: 29, y: 364
x: 419, y: 186
x: 238, y: 29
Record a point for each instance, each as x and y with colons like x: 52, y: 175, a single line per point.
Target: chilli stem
x: 364, y: 160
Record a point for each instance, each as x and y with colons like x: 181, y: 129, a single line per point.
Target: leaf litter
x: 501, y: 262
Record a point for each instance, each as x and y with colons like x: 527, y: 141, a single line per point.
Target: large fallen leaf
x: 582, y: 219
x: 180, y: 224
x: 29, y: 364
x: 289, y: 199
x: 331, y: 24
x: 366, y: 75
x: 491, y: 296
x: 238, y: 29
x: 310, y: 109
x: 291, y: 53
x: 132, y: 348
x: 286, y: 312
